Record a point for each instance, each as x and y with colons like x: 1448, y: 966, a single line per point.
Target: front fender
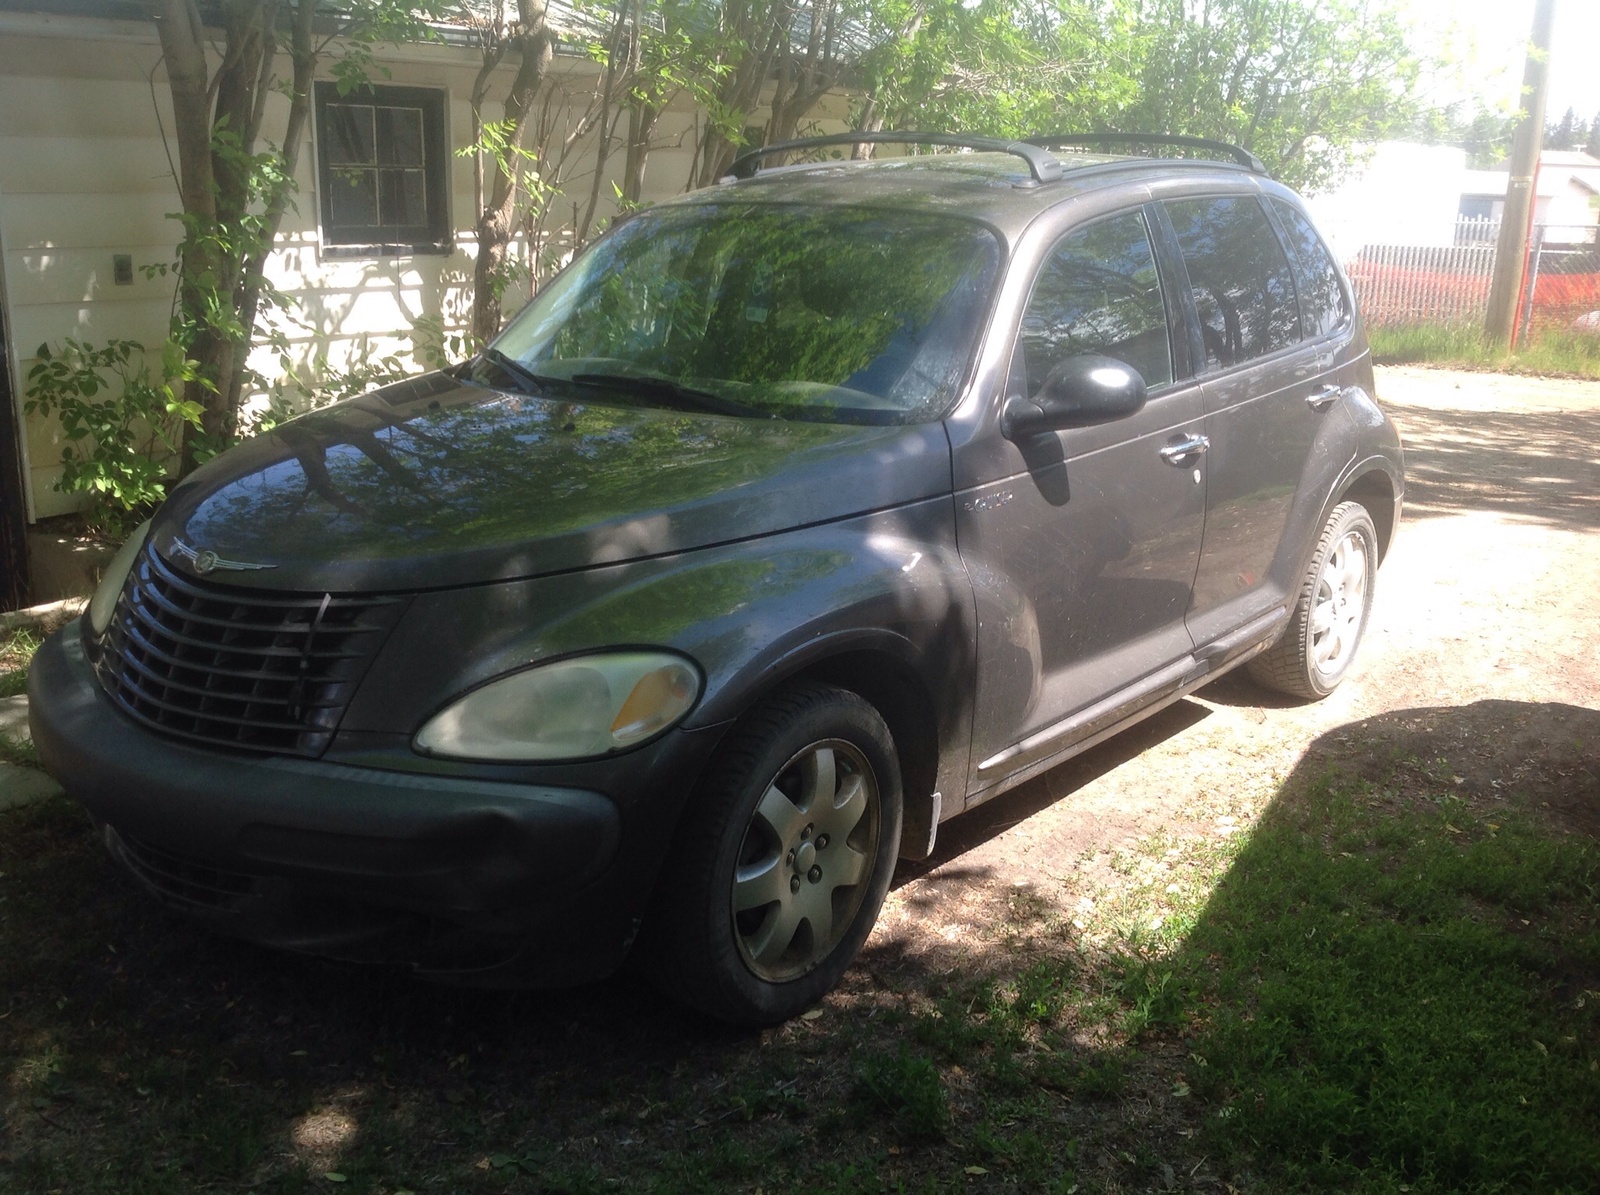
x: 750, y: 614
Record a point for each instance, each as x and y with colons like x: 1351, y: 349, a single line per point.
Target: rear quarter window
x: 1323, y: 304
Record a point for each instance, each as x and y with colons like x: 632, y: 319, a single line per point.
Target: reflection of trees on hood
x: 484, y: 472
x: 820, y: 316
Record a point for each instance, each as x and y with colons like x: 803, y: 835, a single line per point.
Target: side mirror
x: 1082, y: 390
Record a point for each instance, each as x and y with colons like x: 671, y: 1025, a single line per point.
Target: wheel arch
x: 902, y: 699
x: 1372, y: 486
x: 890, y: 684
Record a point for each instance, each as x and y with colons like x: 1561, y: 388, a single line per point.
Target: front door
x: 1083, y: 559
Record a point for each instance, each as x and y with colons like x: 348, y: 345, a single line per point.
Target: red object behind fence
x: 1392, y: 296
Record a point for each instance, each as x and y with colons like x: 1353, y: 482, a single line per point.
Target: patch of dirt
x: 1486, y: 627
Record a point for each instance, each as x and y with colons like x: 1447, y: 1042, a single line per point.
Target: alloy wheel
x: 1341, y: 604
x: 804, y: 865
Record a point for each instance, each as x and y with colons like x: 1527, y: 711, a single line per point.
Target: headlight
x: 581, y: 708
x: 104, y: 601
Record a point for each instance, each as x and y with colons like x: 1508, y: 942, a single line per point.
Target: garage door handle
x: 1178, y: 454
x: 1324, y: 397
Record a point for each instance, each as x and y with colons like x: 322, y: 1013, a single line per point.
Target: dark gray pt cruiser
x: 795, y: 516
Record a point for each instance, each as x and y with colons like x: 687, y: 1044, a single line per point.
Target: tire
x: 1330, y: 617
x: 782, y: 860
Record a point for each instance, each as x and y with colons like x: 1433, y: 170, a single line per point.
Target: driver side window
x: 1097, y: 292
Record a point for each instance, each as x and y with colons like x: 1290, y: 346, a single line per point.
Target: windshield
x: 814, y: 313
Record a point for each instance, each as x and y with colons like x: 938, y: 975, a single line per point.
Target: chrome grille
x: 239, y: 668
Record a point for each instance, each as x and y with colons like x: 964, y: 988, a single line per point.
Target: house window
x: 384, y: 169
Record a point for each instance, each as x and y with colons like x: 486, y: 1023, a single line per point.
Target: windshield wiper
x: 531, y: 383
x: 674, y: 393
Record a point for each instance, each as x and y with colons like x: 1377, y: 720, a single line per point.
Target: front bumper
x: 448, y: 873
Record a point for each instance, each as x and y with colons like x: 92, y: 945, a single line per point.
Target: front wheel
x: 782, y: 861
x: 1328, y: 620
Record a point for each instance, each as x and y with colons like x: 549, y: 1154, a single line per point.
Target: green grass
x: 16, y: 652
x: 907, y: 1087
x: 1405, y: 997
x: 1573, y: 354
x: 1370, y: 986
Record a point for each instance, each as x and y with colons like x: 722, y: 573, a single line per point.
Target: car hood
x: 433, y: 483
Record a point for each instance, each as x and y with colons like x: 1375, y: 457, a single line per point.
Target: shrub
x: 121, y: 423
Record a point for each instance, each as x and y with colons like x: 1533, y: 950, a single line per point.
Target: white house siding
x: 1568, y: 207
x: 1411, y: 195
x: 84, y: 175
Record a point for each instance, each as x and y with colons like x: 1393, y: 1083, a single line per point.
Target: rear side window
x: 1097, y: 292
x: 1322, y: 301
x: 1242, y: 286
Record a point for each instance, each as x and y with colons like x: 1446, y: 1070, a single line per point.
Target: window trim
x: 436, y: 167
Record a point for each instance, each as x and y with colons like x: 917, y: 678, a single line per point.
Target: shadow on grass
x: 1395, y: 979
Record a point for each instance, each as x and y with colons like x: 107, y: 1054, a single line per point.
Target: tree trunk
x: 302, y: 52
x: 642, y: 117
x: 608, y: 122
x: 217, y: 119
x: 760, y: 35
x: 498, y: 211
x: 232, y: 209
x: 804, y: 79
x: 871, y: 121
x: 183, y: 47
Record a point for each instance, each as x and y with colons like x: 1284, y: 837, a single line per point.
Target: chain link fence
x: 1412, y: 285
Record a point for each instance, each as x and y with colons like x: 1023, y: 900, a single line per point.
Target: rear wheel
x: 1328, y: 620
x: 783, y: 859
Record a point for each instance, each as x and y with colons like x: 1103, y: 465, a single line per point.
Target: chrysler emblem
x: 206, y: 561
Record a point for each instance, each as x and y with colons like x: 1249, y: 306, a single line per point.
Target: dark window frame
x: 430, y: 236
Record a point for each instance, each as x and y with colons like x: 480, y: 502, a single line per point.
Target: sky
x: 1491, y: 38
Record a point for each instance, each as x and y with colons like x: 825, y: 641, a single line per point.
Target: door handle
x: 1324, y: 397
x: 1177, y: 454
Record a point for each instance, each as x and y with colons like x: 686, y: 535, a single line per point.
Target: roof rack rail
x: 1242, y: 156
x: 1042, y: 165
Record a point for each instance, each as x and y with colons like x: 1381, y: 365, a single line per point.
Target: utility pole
x: 1509, y: 255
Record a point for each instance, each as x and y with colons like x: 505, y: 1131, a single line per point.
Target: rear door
x: 1269, y: 383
